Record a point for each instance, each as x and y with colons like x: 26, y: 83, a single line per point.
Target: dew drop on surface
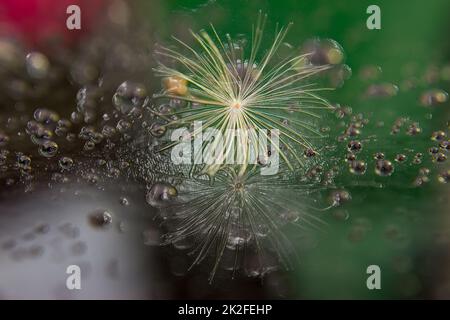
x: 417, y: 158
x: 100, y: 218
x: 4, y: 139
x: 352, y: 131
x: 122, y: 227
x: 444, y: 177
x: 8, y: 244
x: 48, y: 149
x: 440, y: 157
x: 354, y: 146
x: 35, y: 251
x: 3, y: 157
x: 175, y: 85
x: 445, y: 145
x: 384, y: 168
x: 124, y: 201
x: 341, y: 215
x: 161, y: 195
x: 108, y: 131
x: 378, y: 156
x: 129, y: 95
x: 71, y: 137
x: 350, y: 157
x: 370, y: 72
x: 37, y: 65
x: 45, y: 116
x: 400, y: 157
x: 338, y: 197
x: 65, y: 163
x: 23, y: 161
x: 383, y: 90
x: 309, y: 153
x: 433, y: 97
x: 70, y: 231
x: 433, y: 150
x: 42, y: 228
x: 413, y: 129
x: 323, y: 52
x: 157, y: 129
x: 357, y: 167
x: 123, y: 126
x: 89, y: 145
x: 438, y: 135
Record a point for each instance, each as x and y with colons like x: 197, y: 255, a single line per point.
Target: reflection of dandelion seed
x: 238, y: 213
x: 238, y: 92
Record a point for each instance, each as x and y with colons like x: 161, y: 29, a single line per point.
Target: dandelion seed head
x: 242, y: 88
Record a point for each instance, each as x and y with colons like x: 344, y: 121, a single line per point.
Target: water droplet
x: 338, y: 197
x: 39, y: 133
x: 350, y: 157
x: 123, y: 126
x: 357, y: 167
x: 128, y: 96
x: 323, y: 52
x: 438, y: 135
x: 383, y: 90
x: 378, y: 156
x: 157, y: 129
x: 100, y: 218
x: 414, y: 129
x: 370, y: 72
x: 65, y: 163
x: 24, y: 162
x: 400, y: 157
x: 161, y: 194
x: 341, y: 215
x: 124, y: 201
x: 175, y: 86
x: 48, y: 149
x: 89, y: 145
x: 70, y: 231
x: 444, y: 177
x: 440, y: 157
x: 445, y: 145
x: 37, y: 65
x: 36, y: 251
x: 4, y: 139
x: 108, y: 131
x: 309, y: 153
x: 353, y: 131
x: 433, y: 97
x: 433, y: 150
x: 354, y: 146
x: 45, y: 116
x: 384, y: 168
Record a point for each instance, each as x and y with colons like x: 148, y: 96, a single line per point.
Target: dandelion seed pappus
x: 229, y: 89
